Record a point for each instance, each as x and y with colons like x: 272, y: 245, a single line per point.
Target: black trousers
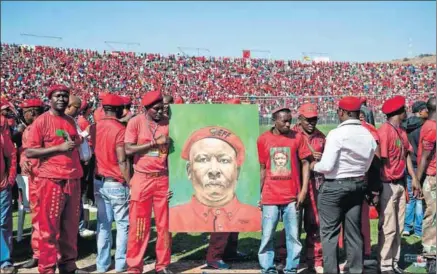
x: 339, y: 202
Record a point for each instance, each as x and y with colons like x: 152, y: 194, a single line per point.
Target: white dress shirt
x: 349, y: 151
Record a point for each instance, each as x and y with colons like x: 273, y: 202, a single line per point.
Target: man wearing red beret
x: 53, y: 139
x: 32, y: 108
x: 284, y: 159
x: 8, y: 173
x: 342, y: 193
x: 396, y: 158
x: 214, y: 155
x: 111, y: 184
x: 427, y: 166
x: 147, y: 140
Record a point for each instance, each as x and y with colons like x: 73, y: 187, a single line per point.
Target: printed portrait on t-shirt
x: 280, y: 161
x: 213, y: 168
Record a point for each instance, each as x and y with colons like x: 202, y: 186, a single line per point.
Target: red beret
x: 308, y: 110
x: 363, y: 100
x: 113, y: 100
x: 150, y: 98
x: 233, y: 101
x: 393, y: 104
x: 127, y: 100
x: 216, y: 132
x: 179, y: 100
x: 102, y: 95
x: 30, y: 103
x: 279, y: 109
x: 350, y: 103
x: 57, y: 88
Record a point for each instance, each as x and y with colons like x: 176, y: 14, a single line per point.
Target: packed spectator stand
x: 27, y: 71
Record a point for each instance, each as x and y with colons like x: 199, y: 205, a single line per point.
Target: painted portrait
x: 214, y: 170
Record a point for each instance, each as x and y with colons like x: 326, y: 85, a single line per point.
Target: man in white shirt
x: 348, y: 154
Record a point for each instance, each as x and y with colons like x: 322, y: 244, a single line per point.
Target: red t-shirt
x: 372, y: 130
x: 141, y: 130
x: 281, y: 154
x: 427, y: 141
x: 23, y: 158
x: 394, y: 147
x: 47, y: 131
x: 99, y: 113
x: 106, y: 135
x: 7, y: 150
x: 82, y: 122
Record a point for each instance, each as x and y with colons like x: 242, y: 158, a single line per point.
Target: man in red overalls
x: 32, y: 108
x: 54, y: 139
x: 147, y: 140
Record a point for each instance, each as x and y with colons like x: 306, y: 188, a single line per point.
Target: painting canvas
x: 214, y: 168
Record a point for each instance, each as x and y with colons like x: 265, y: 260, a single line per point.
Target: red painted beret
x: 308, y: 110
x: 127, y: 100
x: 57, y: 88
x: 178, y: 100
x: 216, y: 132
x: 150, y: 98
x: 31, y: 103
x: 113, y: 100
x: 393, y: 104
x: 350, y: 103
x: 233, y: 101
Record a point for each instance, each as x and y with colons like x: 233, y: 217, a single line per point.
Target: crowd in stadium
x: 77, y: 130
x: 27, y: 71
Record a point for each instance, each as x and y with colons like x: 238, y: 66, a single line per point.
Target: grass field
x: 193, y: 246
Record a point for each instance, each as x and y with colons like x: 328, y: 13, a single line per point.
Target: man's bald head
x: 74, y: 103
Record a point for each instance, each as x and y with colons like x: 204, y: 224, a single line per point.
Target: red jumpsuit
x: 34, y: 192
x: 58, y: 176
x: 314, y: 255
x: 149, y: 188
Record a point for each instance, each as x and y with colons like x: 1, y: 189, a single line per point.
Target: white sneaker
x: 318, y: 269
x: 406, y: 233
x: 86, y: 233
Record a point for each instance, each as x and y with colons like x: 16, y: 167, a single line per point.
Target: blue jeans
x: 112, y: 201
x: 413, y: 211
x: 270, y: 218
x: 5, y: 227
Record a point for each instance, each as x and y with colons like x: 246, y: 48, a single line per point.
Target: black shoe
x: 31, y: 263
x: 164, y: 271
x: 9, y: 270
x: 398, y: 270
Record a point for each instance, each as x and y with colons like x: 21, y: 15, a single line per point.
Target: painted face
x: 213, y: 170
x: 280, y: 159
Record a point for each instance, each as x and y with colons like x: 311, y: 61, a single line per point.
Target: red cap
x: 308, y: 110
x: 393, y: 104
x: 127, y: 100
x: 57, y: 88
x: 233, y: 101
x: 216, y: 132
x: 178, y: 100
x: 31, y: 103
x: 150, y: 98
x: 279, y: 109
x: 350, y: 103
x: 113, y: 100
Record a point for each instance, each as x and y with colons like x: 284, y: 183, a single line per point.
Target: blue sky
x: 345, y: 31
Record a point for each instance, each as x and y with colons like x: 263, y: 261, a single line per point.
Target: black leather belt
x: 106, y: 179
x: 360, y: 178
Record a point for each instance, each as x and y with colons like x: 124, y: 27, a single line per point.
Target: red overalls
x: 149, y: 188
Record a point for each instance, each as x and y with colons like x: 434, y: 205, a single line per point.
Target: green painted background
x: 240, y: 119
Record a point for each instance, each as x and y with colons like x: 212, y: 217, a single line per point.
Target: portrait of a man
x: 214, y: 156
x: 280, y: 161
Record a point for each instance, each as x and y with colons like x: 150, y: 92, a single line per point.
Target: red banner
x: 246, y: 53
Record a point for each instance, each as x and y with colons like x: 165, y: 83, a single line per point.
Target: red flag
x: 246, y: 53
